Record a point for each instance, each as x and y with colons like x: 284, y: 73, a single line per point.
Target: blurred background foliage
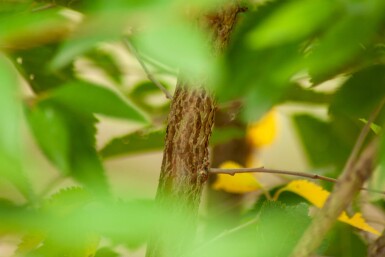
x: 65, y: 68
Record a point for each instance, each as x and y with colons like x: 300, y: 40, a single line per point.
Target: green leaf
x: 298, y: 94
x: 177, y: 44
x: 139, y: 141
x: 261, y: 84
x: 89, y: 35
x: 73, y: 135
x: 107, y: 63
x: 106, y: 252
x: 51, y: 132
x: 357, y: 35
x: 10, y: 131
x: 326, y: 143
x: 82, y: 97
x: 287, y: 23
x: 223, y: 135
x: 26, y: 29
x: 361, y: 93
x: 32, y: 64
x: 280, y: 227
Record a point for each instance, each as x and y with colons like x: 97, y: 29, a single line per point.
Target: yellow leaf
x: 239, y: 183
x: 317, y: 196
x: 264, y: 131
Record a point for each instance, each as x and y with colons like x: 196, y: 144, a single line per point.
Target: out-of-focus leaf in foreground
x: 10, y: 134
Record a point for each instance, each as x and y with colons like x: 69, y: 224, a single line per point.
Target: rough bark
x: 186, y: 156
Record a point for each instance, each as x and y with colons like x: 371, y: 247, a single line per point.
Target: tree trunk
x: 186, y: 156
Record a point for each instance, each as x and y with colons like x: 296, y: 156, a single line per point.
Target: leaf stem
x: 132, y: 49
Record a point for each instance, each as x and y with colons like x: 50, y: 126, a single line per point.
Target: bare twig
x: 272, y: 171
x: 284, y: 172
x: 356, y: 171
x: 145, y: 69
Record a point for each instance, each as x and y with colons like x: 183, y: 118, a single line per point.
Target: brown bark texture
x: 186, y: 156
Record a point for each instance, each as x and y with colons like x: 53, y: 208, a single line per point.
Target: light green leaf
x: 50, y: 130
x: 10, y: 133
x: 178, y: 45
x: 87, y: 98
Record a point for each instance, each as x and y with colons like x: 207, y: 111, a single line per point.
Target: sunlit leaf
x: 318, y: 196
x: 238, y: 183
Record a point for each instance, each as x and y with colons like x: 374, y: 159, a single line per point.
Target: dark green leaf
x: 86, y: 98
x: 32, y: 64
x: 136, y: 142
x: 326, y: 143
x: 297, y: 94
x: 361, y: 93
x: 223, y: 135
x: 356, y: 34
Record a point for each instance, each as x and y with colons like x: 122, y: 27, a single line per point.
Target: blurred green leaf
x: 259, y: 77
x: 280, y: 227
x: 344, y: 242
x: 287, y: 23
x: 142, y: 94
x: 223, y: 135
x: 51, y: 132
x: 178, y: 45
x: 74, y: 136
x: 10, y: 128
x: 30, y: 29
x: 106, y: 252
x: 82, y: 97
x: 361, y: 93
x: 88, y: 35
x: 298, y: 94
x: 107, y: 63
x: 356, y: 35
x: 137, y: 142
x: 32, y: 64
x: 326, y: 143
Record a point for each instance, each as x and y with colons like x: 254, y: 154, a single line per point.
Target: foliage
x: 281, y: 53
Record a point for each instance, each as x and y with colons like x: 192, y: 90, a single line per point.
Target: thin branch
x: 284, y: 172
x: 271, y: 171
x: 356, y: 171
x: 145, y: 69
